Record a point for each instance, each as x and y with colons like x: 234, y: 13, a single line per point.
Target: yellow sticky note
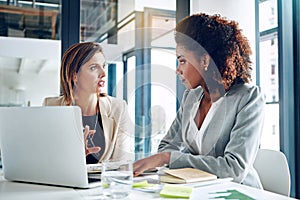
x: 142, y: 184
x: 176, y: 191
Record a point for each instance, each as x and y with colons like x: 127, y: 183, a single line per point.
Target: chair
x: 273, y: 170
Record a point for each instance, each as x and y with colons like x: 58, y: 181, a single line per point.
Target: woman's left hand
x: 151, y: 162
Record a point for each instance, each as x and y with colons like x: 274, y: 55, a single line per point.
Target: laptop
x: 44, y: 145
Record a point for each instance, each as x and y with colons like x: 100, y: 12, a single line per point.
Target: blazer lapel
x: 108, y: 126
x: 214, y: 129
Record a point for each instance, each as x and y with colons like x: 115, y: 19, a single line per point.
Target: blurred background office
x: 137, y: 37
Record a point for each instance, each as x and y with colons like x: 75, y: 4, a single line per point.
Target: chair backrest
x: 273, y: 170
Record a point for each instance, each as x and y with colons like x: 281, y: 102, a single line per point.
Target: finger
x: 135, y: 174
x: 92, y: 150
x: 91, y: 132
x: 139, y: 168
x: 138, y: 171
x: 86, y: 131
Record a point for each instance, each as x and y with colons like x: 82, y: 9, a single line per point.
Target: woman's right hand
x: 87, y: 133
x: 156, y: 160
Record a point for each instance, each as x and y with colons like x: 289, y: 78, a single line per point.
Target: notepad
x: 186, y: 175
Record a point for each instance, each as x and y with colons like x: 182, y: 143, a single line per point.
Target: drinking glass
x: 116, y: 178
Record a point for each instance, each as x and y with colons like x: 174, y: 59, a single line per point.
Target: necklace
x: 92, y: 136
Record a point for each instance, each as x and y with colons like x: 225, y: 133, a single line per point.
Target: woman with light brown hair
x: 106, y: 123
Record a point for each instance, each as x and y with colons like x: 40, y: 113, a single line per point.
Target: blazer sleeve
x: 240, y: 151
x: 45, y: 102
x: 54, y: 101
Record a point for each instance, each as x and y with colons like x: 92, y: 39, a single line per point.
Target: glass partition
x: 97, y: 18
x: 30, y: 51
x: 30, y: 19
x: 163, y: 94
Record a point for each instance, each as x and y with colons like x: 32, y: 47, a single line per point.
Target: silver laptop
x: 44, y: 145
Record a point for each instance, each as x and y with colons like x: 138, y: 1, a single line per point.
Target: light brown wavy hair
x: 74, y: 57
x: 223, y: 41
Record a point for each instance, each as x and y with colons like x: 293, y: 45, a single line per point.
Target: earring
x: 205, y: 64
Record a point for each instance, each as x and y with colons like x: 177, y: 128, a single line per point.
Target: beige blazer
x: 117, y: 127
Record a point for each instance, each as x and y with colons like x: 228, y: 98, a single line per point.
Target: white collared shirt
x: 195, y: 135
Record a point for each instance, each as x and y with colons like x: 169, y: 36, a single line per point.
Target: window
x: 163, y: 94
x: 269, y: 72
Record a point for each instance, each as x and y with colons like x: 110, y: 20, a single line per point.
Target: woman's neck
x: 211, y: 96
x: 213, y: 89
x: 87, y: 103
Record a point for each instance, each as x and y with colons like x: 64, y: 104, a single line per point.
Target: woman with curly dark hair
x: 219, y: 124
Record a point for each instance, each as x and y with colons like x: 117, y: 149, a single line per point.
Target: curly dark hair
x: 222, y: 40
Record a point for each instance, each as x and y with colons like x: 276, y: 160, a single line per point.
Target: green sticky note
x: 176, y: 191
x: 142, y: 184
x: 233, y: 194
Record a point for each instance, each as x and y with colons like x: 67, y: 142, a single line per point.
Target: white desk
x: 15, y: 191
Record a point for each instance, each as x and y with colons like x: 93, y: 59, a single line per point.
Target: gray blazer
x: 229, y: 143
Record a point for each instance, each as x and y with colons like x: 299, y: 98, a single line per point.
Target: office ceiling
x: 22, y: 55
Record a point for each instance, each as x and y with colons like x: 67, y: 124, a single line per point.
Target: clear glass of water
x: 116, y: 178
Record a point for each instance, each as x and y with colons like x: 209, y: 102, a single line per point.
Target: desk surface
x: 15, y: 191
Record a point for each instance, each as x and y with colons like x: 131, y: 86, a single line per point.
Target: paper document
x: 186, y: 175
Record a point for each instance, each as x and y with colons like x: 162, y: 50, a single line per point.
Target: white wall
x: 30, y: 48
x: 240, y: 11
